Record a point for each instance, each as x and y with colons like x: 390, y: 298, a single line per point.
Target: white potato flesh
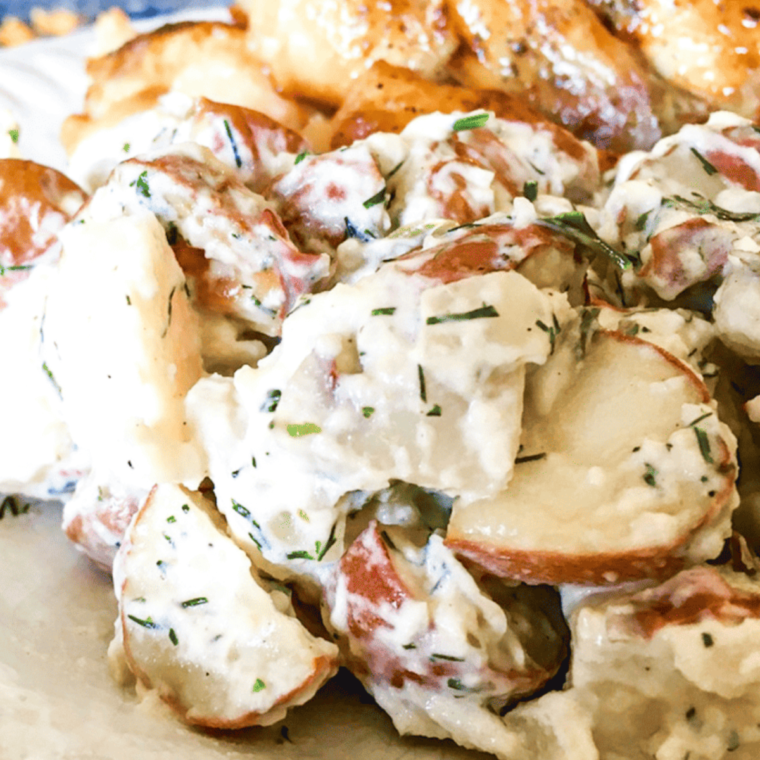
x: 439, y: 655
x: 624, y: 460
x: 123, y: 346
x: 198, y: 626
x: 36, y: 450
x: 371, y: 383
x: 669, y: 672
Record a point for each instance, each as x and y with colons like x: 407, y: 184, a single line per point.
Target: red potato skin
x: 322, y: 665
x: 601, y: 568
x: 30, y: 195
x: 378, y: 583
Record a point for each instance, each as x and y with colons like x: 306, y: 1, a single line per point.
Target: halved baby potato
x: 440, y: 655
x: 199, y: 626
x: 625, y: 471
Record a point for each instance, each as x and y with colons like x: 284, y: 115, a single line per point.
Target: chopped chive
x: 447, y: 657
x: 300, y: 157
x: 699, y: 419
x: 483, y: 312
x: 259, y: 685
x: 185, y: 507
x: 126, y: 147
x: 233, y: 143
x: 271, y: 401
x: 368, y: 411
x: 13, y: 134
x: 473, y: 121
x: 300, y: 554
x: 641, y: 221
x: 421, y: 377
x: 435, y: 411
x: 530, y: 458
x: 707, y: 640
x: 328, y: 545
x: 575, y: 226
x: 305, y: 428
x: 379, y: 197
x: 706, y: 165
x: 384, y: 312
x: 147, y: 623
x: 530, y: 190
x: 171, y: 519
x: 650, y: 476
x: 704, y: 444
x: 142, y: 184
x: 173, y: 637
x: 456, y: 684
x: 409, y: 646
x: 195, y: 602
x: 394, y: 169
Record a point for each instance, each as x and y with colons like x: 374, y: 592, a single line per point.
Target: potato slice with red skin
x: 201, y: 629
x: 667, y: 671
x: 415, y: 628
x: 239, y: 252
x: 601, y: 493
x: 35, y: 203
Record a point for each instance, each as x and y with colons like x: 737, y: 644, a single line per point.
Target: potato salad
x: 459, y: 407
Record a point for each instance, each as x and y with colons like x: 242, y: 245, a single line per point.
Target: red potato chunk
x: 201, y: 628
x: 625, y: 472
x: 429, y: 644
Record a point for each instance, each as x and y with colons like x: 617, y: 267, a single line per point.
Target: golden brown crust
x: 194, y: 58
x: 315, y: 48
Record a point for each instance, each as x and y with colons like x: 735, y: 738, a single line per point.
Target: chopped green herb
x: 421, y: 377
x: 650, y: 476
x: 384, y: 312
x: 575, y: 226
x: 171, y: 519
x: 409, y: 646
x: 185, y: 507
x: 641, y: 221
x: 375, y: 199
x: 300, y: 554
x: 707, y: 640
x: 300, y: 157
x: 272, y: 399
x: 473, y: 121
x: 435, y: 411
x: 530, y: 458
x: 13, y: 134
x: 552, y: 331
x: 328, y: 545
x: 173, y: 637
x: 587, y: 326
x: 368, y: 411
x: 699, y: 419
x: 484, y: 312
x: 129, y: 301
x: 147, y: 623
x: 49, y: 373
x: 733, y: 741
x: 195, y: 602
x: 530, y: 190
x: 394, y: 169
x: 126, y: 147
x: 305, y: 428
x: 142, y: 185
x: 456, y: 684
x: 706, y: 165
x: 447, y: 657
x: 704, y: 444
x: 11, y: 504
x: 233, y: 143
x: 705, y: 206
x: 259, y: 685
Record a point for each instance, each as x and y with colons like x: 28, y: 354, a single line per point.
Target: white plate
x: 57, y: 700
